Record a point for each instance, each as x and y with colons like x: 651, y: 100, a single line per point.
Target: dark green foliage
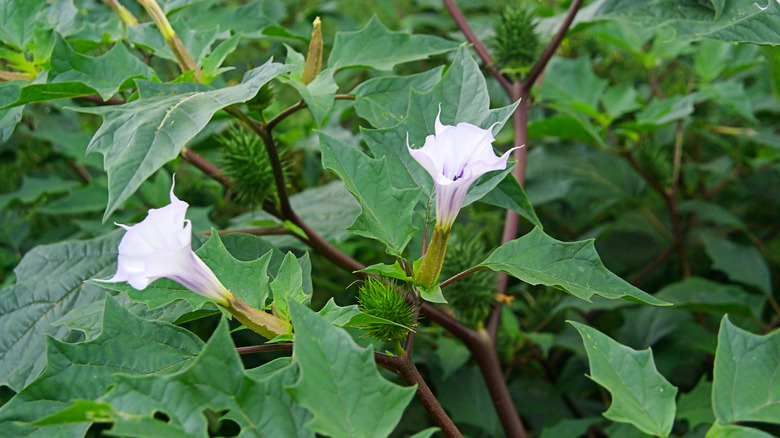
x: 515, y: 44
x: 472, y: 296
x: 385, y: 300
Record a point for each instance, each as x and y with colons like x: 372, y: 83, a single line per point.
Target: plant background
x: 653, y: 133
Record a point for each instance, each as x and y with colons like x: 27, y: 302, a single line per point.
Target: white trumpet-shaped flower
x: 158, y: 247
x: 455, y: 156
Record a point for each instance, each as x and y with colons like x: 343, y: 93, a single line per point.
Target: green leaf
x: 393, y: 271
x: 660, y: 112
x: 567, y: 71
x: 375, y: 46
x: 49, y: 284
x: 427, y: 433
x: 509, y: 194
x: 73, y: 74
x: 128, y: 344
x: 215, y: 380
x: 575, y: 268
x: 702, y: 295
x: 463, y: 96
x: 386, y: 212
x: 743, y: 264
x: 384, y: 101
x: 213, y: 61
x: 696, y: 406
x: 745, y: 383
x: 433, y: 295
x: 734, y: 21
x: 33, y: 188
x: 288, y: 285
x: 340, y: 383
x: 18, y: 21
x: 640, y: 395
x: 10, y: 117
x: 137, y: 138
x: 246, y: 279
x: 318, y: 94
x: 569, y: 427
x: 731, y: 431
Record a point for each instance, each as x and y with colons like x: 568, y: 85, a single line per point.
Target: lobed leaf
x: 575, y: 268
x: 640, y: 395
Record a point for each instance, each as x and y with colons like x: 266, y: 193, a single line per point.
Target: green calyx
x: 384, y: 300
x: 245, y: 161
x: 515, y: 44
x: 472, y: 297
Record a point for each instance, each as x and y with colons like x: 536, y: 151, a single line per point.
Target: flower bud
x: 313, y: 64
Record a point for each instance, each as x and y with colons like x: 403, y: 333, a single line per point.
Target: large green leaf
x: 49, y: 284
x: 377, y: 47
x: 736, y: 21
x: 318, y: 94
x: 746, y: 378
x: 732, y: 431
x: 340, y: 383
x: 696, y: 406
x: 575, y: 268
x: 127, y: 344
x: 215, y: 380
x: 139, y: 137
x: 463, y: 96
x: 386, y: 212
x: 73, y: 74
x: 18, y: 19
x: 248, y: 280
x: 702, y: 295
x: 743, y: 264
x: 384, y: 101
x: 640, y: 395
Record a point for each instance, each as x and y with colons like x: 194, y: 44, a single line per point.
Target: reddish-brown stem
x: 480, y: 48
x: 637, y: 279
x: 113, y: 100
x: 670, y: 199
x: 264, y: 348
x: 269, y: 231
x: 540, y: 65
x: 405, y: 367
x: 460, y: 275
x: 273, y: 158
x: 205, y: 166
x: 297, y: 107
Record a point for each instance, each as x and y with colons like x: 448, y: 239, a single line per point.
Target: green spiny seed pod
x: 246, y: 162
x: 515, y: 44
x: 472, y: 296
x: 384, y: 300
x: 263, y: 98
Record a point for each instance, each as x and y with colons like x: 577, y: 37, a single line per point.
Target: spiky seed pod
x: 472, y: 296
x: 384, y: 300
x: 656, y: 159
x: 263, y: 98
x: 246, y: 162
x: 515, y: 44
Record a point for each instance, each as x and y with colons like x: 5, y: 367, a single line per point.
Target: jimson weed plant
x: 520, y: 219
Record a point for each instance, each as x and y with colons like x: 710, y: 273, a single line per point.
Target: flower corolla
x: 455, y: 157
x: 159, y: 246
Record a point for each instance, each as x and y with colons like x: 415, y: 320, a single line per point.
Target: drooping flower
x: 159, y: 246
x: 455, y: 157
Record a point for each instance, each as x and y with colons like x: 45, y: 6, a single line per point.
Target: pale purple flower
x: 455, y: 157
x: 158, y: 247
